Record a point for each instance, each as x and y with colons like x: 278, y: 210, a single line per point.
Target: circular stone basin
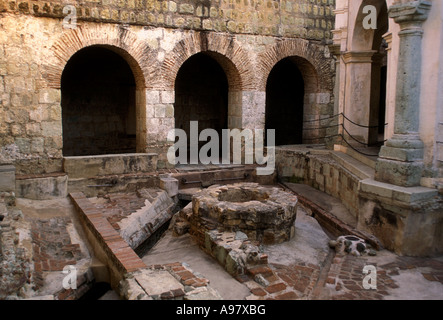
x: 264, y: 213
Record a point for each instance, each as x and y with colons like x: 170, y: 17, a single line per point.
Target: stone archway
x: 122, y: 42
x: 98, y: 100
x: 228, y: 54
x: 364, y: 59
x: 201, y: 95
x: 285, y: 91
x: 315, y: 74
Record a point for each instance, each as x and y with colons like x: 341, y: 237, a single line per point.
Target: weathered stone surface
x: 7, y: 178
x: 170, y: 185
x: 43, y: 188
x: 235, y: 255
x: 173, y: 281
x: 91, y: 166
x: 138, y: 226
x: 155, y: 283
x: 266, y: 214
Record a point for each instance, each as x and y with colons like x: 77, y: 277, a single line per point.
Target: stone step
x: 356, y: 167
x: 367, y: 160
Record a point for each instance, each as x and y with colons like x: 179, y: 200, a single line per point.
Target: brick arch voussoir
x: 310, y: 52
x: 122, y: 41
x: 223, y: 48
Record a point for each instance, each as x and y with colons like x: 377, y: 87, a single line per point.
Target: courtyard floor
x: 304, y: 268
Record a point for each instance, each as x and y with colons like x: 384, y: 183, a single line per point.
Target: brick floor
x: 345, y: 276
x: 51, y: 245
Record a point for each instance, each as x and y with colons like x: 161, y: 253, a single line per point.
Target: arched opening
x: 285, y: 93
x: 98, y: 104
x: 201, y: 94
x: 366, y: 72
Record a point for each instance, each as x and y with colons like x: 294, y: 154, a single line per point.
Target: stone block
x: 170, y: 185
x: 159, y: 111
x: 376, y: 188
x: 91, y: 166
x: 400, y: 173
x: 323, y: 97
x: 152, y: 96
x: 167, y: 97
x: 7, y: 178
x: 186, y: 8
x: 157, y: 282
x: 140, y: 225
x: 49, y: 96
x: 43, y: 188
x: 172, y: 6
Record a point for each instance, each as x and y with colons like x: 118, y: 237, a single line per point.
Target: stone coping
x: 119, y: 254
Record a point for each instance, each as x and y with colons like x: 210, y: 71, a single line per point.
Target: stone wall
x: 246, y: 38
x: 307, y: 18
x: 320, y: 171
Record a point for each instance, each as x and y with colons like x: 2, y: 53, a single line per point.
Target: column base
x: 400, y: 161
x: 400, y: 173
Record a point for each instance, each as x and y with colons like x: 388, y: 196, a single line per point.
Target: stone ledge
x: 101, y: 165
x: 117, y: 253
x: 42, y: 187
x: 396, y: 193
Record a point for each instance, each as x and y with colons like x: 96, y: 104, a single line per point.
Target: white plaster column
x: 401, y: 159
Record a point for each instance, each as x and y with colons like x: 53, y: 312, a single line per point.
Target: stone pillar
x: 159, y: 121
x: 357, y: 94
x: 401, y: 158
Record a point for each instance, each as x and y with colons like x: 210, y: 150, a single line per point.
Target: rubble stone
x: 266, y: 214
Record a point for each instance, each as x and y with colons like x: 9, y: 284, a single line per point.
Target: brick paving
x: 344, y: 279
x: 52, y: 247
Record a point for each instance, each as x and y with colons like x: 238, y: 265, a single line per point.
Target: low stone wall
x: 42, y: 187
x: 108, y: 246
x: 317, y: 169
x: 406, y: 220
x: 141, y: 224
x: 15, y: 259
x: 233, y: 251
x: 92, y: 166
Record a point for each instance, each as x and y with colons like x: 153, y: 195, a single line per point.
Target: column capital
x: 358, y: 56
x: 334, y: 48
x: 407, y: 13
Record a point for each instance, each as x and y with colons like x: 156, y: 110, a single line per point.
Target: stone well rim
x: 276, y: 198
